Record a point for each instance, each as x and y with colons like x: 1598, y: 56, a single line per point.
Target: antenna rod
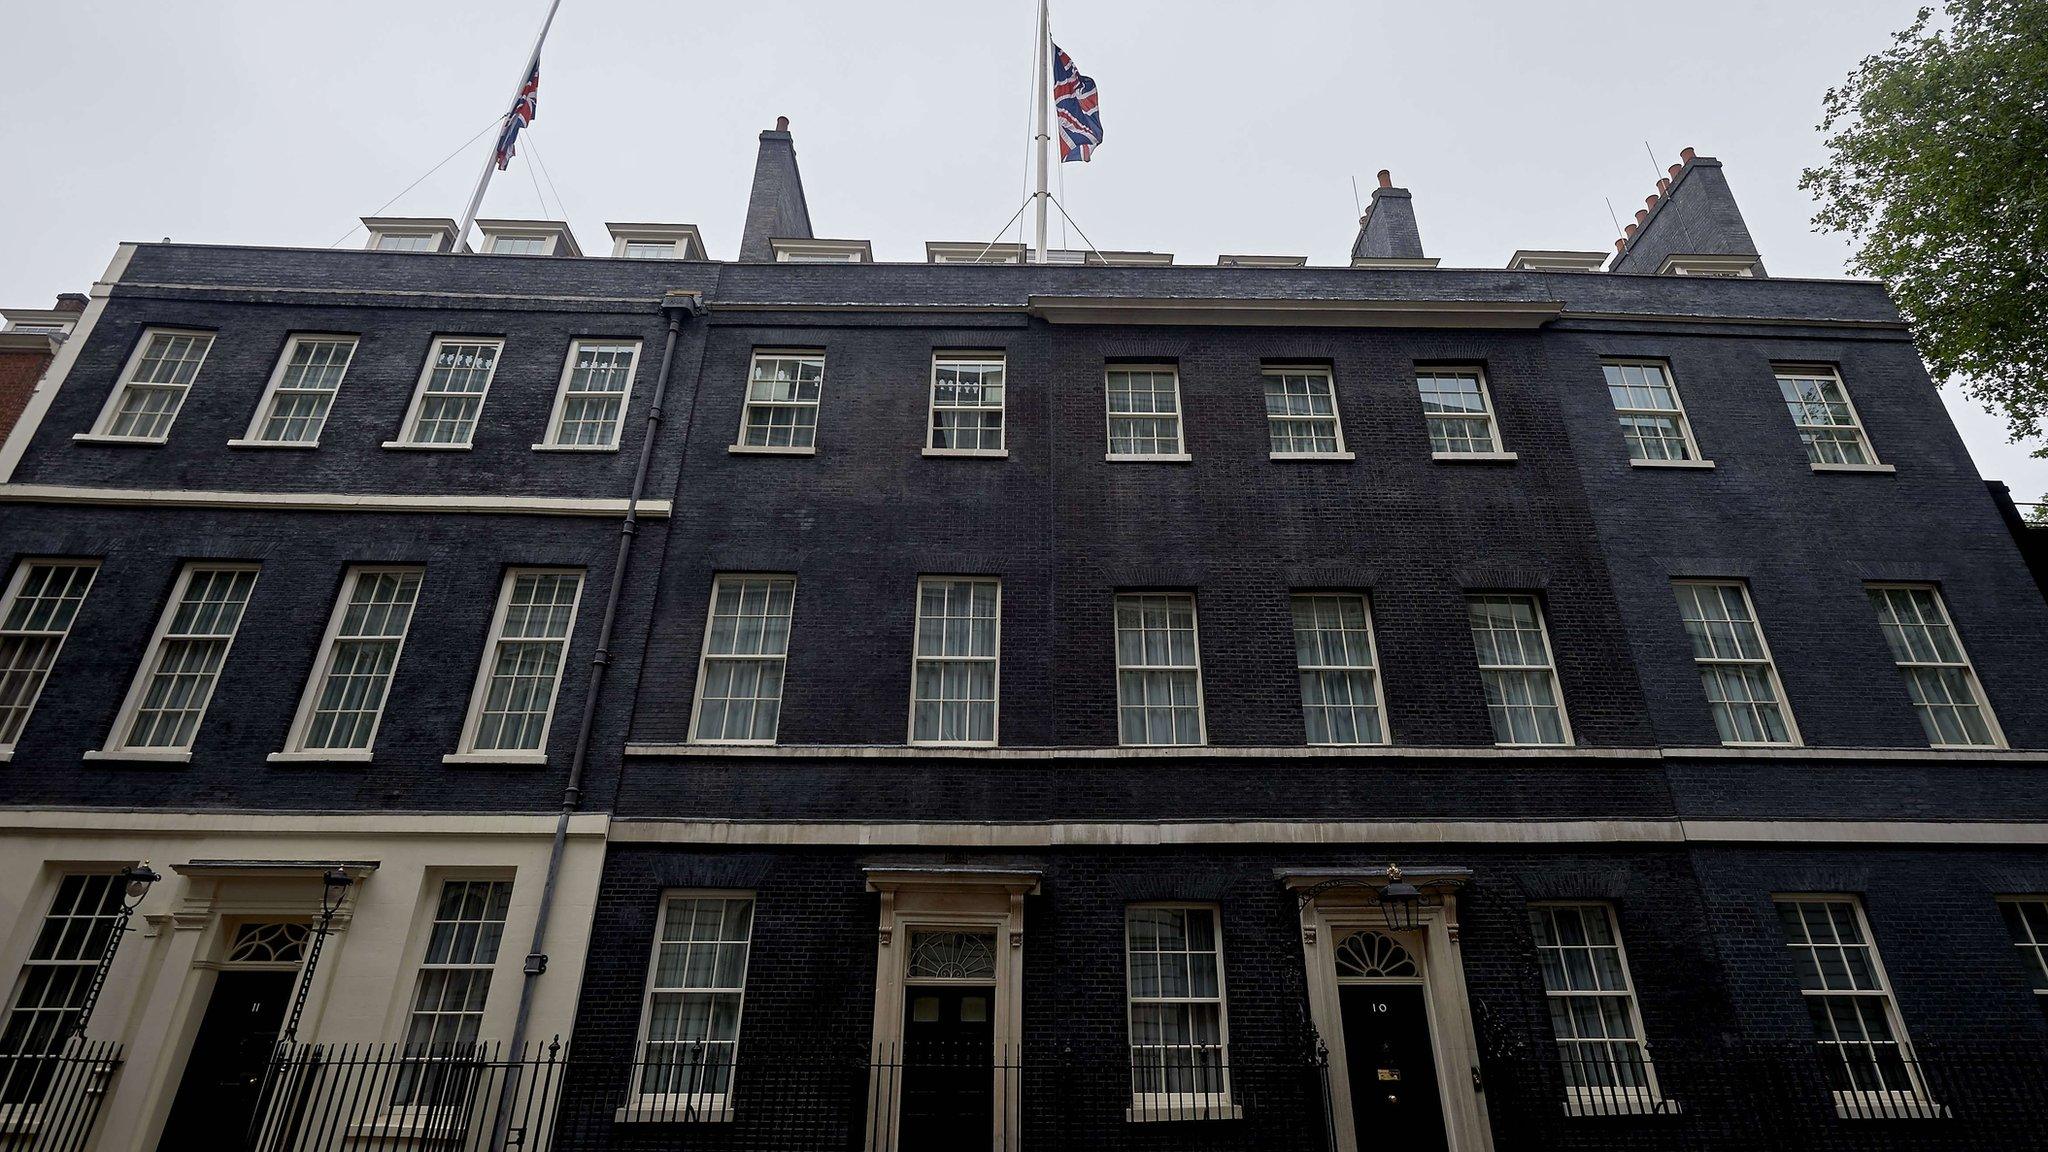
x: 1652, y: 152
x: 476, y: 199
x: 1041, y: 75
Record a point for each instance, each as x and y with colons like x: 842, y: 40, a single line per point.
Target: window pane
x: 1456, y: 409
x: 1158, y: 677
x: 967, y: 403
x: 34, y: 622
x: 1515, y: 670
x: 524, y: 668
x: 1820, y: 410
x: 1175, y: 972
x: 1301, y: 411
x: 782, y: 400
x: 1144, y: 411
x: 452, y: 395
x: 155, y: 388
x: 740, y: 695
x: 1938, y: 675
x: 187, y: 660
x: 953, y: 683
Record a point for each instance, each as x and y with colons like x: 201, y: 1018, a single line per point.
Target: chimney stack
x: 776, y: 209
x: 1387, y: 233
x: 71, y: 302
x: 1690, y: 221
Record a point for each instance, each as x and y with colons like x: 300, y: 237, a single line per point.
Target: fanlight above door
x: 1373, y: 956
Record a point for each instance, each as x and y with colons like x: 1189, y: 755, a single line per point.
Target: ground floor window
x: 696, y: 986
x: 1179, y: 1035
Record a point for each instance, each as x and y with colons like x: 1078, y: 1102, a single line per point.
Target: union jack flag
x: 1074, y: 99
x: 524, y: 108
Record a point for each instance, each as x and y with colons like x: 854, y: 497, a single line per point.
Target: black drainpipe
x: 675, y: 306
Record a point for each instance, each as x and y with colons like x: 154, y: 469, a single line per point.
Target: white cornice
x: 329, y: 501
x: 1297, y: 313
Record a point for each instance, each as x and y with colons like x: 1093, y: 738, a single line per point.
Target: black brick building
x: 1109, y: 705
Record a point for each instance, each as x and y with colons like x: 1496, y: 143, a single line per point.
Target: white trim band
x: 329, y: 501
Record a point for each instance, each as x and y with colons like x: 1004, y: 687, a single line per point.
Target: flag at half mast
x: 1075, y: 102
x: 525, y: 107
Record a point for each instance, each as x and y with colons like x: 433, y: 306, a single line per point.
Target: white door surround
x: 981, y: 900
x: 1337, y: 903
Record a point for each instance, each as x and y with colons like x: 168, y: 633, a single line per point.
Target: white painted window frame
x: 1693, y: 458
x: 705, y: 656
x: 253, y: 438
x: 15, y: 582
x: 316, y: 681
x: 1499, y: 451
x: 1329, y: 375
x: 1769, y: 662
x: 739, y: 445
x: 1969, y: 666
x: 1591, y: 1101
x: 467, y: 752
x: 408, y: 428
x: 1564, y: 716
x: 101, y: 426
x: 552, y: 441
x: 695, y: 1107
x: 1783, y: 369
x: 2035, y: 947
x: 1178, y: 1106
x: 994, y: 662
x: 116, y: 747
x: 1869, y: 1104
x: 1201, y: 701
x: 932, y: 409
x: 1110, y: 416
x: 1372, y: 644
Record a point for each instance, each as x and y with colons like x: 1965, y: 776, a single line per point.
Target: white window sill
x: 1671, y: 463
x: 140, y: 755
x: 1159, y: 458
x: 1203, y: 744
x: 1853, y: 468
x: 523, y: 758
x: 696, y: 743
x: 103, y: 438
x: 409, y: 446
x: 575, y: 447
x: 713, y: 1110
x: 242, y: 443
x: 1997, y: 747
x: 1285, y: 456
x: 1475, y: 457
x: 327, y: 756
x: 943, y: 745
x: 1168, y: 1109
x: 769, y: 450
x: 1887, y: 1106
x: 1550, y: 744
x: 988, y: 453
x: 6, y: 754
x: 1619, y: 1103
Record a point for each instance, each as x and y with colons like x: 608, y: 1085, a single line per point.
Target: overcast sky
x: 1230, y: 126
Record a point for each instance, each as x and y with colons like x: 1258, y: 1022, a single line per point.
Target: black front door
x: 217, y: 1098
x: 1392, y: 1068
x: 948, y: 1068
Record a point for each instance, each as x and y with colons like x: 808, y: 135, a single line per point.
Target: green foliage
x: 1938, y: 169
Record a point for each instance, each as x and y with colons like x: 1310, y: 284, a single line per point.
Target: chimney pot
x: 1650, y: 201
x: 1631, y: 230
x: 1663, y: 186
x: 1687, y: 154
x: 1675, y: 169
x: 1620, y: 244
x: 1386, y: 178
x: 1642, y: 214
x: 71, y: 302
x: 782, y: 123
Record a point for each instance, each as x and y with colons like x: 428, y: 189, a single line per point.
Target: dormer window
x: 1227, y: 261
x: 822, y: 251
x: 656, y: 242
x: 972, y: 252
x: 409, y: 234
x: 528, y: 238
x: 1726, y: 267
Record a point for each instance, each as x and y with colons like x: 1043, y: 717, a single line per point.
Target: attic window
x: 822, y: 251
x: 973, y: 252
x: 409, y: 234
x: 408, y: 242
x: 656, y: 241
x: 519, y: 245
x: 1727, y: 267
x: 528, y: 238
x: 648, y: 249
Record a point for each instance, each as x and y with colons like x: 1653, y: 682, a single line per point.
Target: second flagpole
x: 483, y: 182
x: 1042, y: 77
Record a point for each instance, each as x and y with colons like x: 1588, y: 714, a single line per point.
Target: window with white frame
x: 1593, y: 1010
x: 502, y: 245
x: 455, y: 973
x: 302, y: 389
x: 42, y: 601
x: 1826, y: 419
x: 1863, y: 1044
x: 154, y: 383
x: 176, y: 679
x: 696, y: 988
x: 451, y: 392
x: 1339, y: 669
x: 648, y: 250
x: 1652, y: 417
x: 1944, y: 688
x: 1158, y: 669
x: 1458, y: 410
x: 746, y: 644
x: 1144, y: 411
x: 1517, y: 670
x: 2026, y: 918
x: 1735, y: 664
x: 408, y: 242
x: 590, y: 407
x: 514, y: 700
x: 1301, y: 411
x: 782, y: 401
x: 1179, y: 1034
x: 55, y: 978
x: 967, y: 402
x: 344, y: 699
x: 953, y: 683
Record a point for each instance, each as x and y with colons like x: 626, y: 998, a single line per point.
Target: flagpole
x: 1042, y: 76
x: 483, y: 182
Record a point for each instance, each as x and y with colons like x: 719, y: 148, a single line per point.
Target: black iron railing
x: 50, y: 1102
x: 1798, y: 1096
x: 374, y: 1097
